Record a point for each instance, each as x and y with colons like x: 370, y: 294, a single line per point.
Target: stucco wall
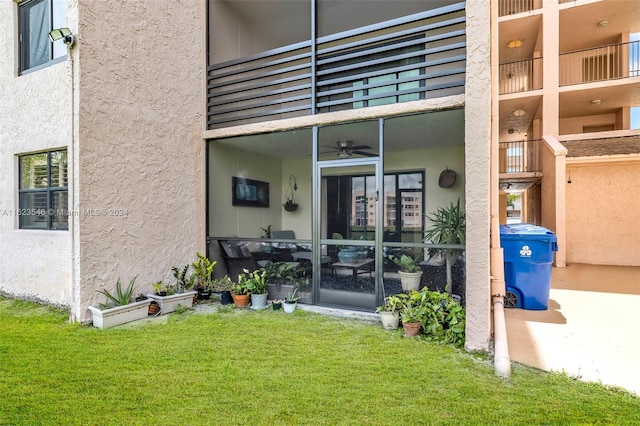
x: 602, y: 213
x: 140, y: 150
x: 573, y: 125
x: 477, y: 149
x: 35, y: 116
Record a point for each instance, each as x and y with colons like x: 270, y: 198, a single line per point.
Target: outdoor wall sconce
x: 289, y: 202
x: 63, y: 33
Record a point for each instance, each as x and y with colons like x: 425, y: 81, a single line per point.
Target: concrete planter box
x: 120, y: 314
x: 170, y: 303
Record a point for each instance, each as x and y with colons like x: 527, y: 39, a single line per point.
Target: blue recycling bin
x: 528, y: 256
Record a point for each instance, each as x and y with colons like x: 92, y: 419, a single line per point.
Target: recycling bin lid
x: 527, y: 231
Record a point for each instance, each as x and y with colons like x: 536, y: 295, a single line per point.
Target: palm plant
x: 448, y: 227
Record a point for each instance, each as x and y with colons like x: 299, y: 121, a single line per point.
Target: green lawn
x: 264, y: 368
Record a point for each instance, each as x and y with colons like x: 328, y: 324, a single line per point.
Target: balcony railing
x: 410, y: 58
x: 521, y: 76
x: 520, y: 156
x: 601, y: 63
x: 511, y: 7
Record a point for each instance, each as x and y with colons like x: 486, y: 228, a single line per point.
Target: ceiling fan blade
x: 361, y: 147
x: 364, y: 153
x: 330, y: 146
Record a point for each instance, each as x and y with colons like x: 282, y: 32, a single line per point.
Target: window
x: 35, y: 19
x: 43, y: 190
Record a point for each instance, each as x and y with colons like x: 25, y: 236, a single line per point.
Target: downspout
x: 501, y: 361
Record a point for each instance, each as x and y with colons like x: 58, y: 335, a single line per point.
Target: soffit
x: 531, y: 107
x: 579, y: 25
x: 525, y: 29
x: 418, y: 131
x: 612, y: 95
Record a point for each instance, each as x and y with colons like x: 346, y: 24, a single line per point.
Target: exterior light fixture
x: 519, y: 112
x: 63, y: 33
x: 514, y: 43
x: 603, y: 24
x: 596, y: 102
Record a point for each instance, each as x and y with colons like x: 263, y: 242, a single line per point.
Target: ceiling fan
x: 346, y: 149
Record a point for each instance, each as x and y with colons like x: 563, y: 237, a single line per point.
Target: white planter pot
x: 390, y: 320
x: 120, y: 314
x: 289, y: 307
x: 259, y: 301
x: 410, y: 280
x: 170, y: 303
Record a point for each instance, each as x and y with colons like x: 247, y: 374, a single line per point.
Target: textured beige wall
x: 603, y: 213
x: 35, y: 116
x: 573, y: 125
x: 553, y: 192
x: 140, y: 150
x: 477, y: 149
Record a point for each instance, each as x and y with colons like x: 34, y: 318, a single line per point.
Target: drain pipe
x: 501, y: 360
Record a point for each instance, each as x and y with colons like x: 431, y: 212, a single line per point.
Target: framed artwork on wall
x: 249, y: 192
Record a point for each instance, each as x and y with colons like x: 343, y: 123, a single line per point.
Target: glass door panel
x: 348, y: 217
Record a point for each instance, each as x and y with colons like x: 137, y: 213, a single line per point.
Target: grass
x: 269, y: 368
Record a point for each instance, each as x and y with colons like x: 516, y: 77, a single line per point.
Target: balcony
x: 521, y: 76
x: 512, y: 7
x: 520, y: 156
x: 614, y: 61
x: 414, y: 57
x: 520, y: 166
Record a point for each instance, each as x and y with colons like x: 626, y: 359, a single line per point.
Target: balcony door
x: 350, y: 223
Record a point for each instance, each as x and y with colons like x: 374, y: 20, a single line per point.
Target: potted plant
x: 256, y: 284
x: 282, y: 277
x: 223, y: 285
x: 170, y: 296
x: 291, y: 301
x: 203, y: 268
x: 276, y: 304
x: 289, y: 202
x: 119, y: 308
x: 160, y: 288
x: 390, y: 312
x: 410, y: 271
x: 412, y: 316
x: 240, y: 295
x: 448, y: 226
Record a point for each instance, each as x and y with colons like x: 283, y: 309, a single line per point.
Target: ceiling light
x: 519, y: 112
x: 596, y: 102
x: 603, y: 24
x: 514, y: 43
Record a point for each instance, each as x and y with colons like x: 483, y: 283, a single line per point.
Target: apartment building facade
x: 568, y: 85
x: 140, y: 124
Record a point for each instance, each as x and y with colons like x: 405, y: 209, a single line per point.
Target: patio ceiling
x: 419, y: 131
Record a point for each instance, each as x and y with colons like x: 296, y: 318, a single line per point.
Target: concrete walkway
x: 591, y: 329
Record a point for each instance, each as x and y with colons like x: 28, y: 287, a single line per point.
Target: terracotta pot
x: 240, y: 300
x: 154, y: 307
x: 411, y: 329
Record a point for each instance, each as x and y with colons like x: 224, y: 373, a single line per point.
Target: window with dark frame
x: 35, y: 19
x: 43, y: 191
x: 403, y: 206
